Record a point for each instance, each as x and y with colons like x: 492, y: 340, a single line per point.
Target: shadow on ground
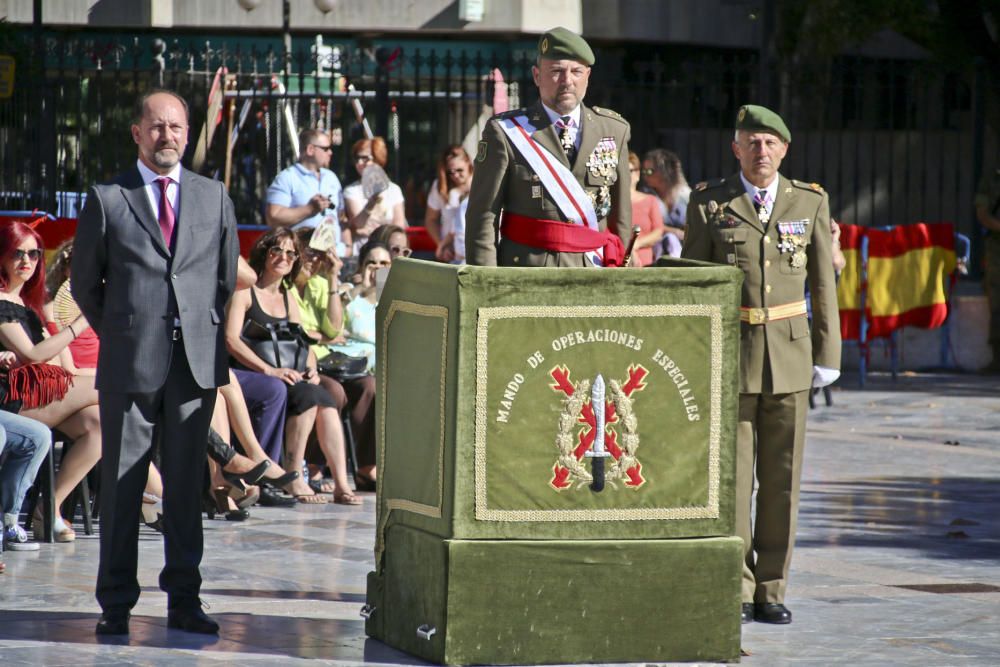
x: 258, y: 634
x: 942, y: 517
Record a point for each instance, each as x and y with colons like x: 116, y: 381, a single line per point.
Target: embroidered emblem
x: 741, y: 115
x: 613, y: 409
x: 481, y: 151
x: 544, y: 46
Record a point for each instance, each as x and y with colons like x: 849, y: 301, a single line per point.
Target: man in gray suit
x: 153, y: 266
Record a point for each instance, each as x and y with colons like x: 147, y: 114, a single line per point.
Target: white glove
x: 824, y: 376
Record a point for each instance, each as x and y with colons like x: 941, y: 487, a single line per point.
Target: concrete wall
x: 501, y: 16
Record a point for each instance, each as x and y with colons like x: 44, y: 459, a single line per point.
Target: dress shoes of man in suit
x: 192, y: 619
x: 113, y: 623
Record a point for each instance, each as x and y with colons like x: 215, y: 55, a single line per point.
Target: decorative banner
x: 593, y: 413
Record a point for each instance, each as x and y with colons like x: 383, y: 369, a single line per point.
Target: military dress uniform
x: 778, y: 350
x: 988, y: 199
x: 505, y: 183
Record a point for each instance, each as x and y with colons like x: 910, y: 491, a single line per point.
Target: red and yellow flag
x: 908, y: 275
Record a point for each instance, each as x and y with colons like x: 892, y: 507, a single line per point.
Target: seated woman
x: 317, y: 292
x: 359, y: 313
x: 364, y: 214
x: 394, y: 238
x: 46, y: 387
x: 275, y: 258
x: 60, y: 310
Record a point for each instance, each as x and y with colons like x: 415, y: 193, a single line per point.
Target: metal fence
x: 892, y: 141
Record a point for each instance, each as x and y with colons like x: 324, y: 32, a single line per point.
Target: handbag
x: 340, y: 366
x: 280, y: 344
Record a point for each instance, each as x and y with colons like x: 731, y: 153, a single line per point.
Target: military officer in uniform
x: 777, y: 231
x: 552, y: 179
x: 988, y: 214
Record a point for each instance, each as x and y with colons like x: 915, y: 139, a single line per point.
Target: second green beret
x: 754, y: 118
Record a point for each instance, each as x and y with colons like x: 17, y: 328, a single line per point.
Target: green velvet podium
x: 507, y: 531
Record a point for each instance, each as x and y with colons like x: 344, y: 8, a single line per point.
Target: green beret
x: 563, y: 44
x: 753, y: 118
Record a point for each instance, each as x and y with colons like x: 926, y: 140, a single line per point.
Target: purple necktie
x: 166, y: 217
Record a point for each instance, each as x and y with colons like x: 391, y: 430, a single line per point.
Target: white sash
x: 557, y: 180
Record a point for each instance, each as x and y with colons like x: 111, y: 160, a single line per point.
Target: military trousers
x: 770, y: 438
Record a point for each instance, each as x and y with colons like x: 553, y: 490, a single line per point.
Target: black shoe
x: 746, y: 613
x: 283, y: 481
x: 271, y: 498
x: 769, y: 612
x: 252, y: 476
x: 113, y: 623
x: 192, y: 620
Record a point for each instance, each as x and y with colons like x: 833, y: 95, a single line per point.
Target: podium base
x: 463, y: 602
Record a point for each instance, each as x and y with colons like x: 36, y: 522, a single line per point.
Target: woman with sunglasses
x: 394, y: 238
x: 318, y: 294
x: 46, y: 385
x: 446, y: 200
x: 275, y: 258
x: 359, y: 313
x: 365, y: 215
x: 646, y: 214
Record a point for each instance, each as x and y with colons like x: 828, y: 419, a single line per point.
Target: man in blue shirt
x: 307, y: 193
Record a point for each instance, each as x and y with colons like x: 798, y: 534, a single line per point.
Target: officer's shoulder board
x: 811, y: 187
x: 608, y: 113
x: 708, y: 185
x: 509, y: 114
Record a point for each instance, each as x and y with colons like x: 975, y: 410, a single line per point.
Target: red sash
x: 556, y: 236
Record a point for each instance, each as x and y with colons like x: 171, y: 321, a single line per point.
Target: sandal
x: 311, y: 499
x: 346, y: 498
x: 363, y: 482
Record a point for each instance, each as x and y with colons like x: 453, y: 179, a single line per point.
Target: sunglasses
x: 276, y: 251
x: 34, y: 254
x: 396, y: 251
x: 648, y: 171
x: 322, y: 148
x: 380, y: 264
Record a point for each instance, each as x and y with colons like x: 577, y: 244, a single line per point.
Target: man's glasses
x: 400, y: 251
x: 323, y: 148
x: 276, y: 251
x: 362, y: 158
x: 648, y: 171
x: 34, y: 254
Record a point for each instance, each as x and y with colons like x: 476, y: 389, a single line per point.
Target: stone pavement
x: 897, y: 561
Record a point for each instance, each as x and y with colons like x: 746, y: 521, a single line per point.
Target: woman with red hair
x: 43, y: 384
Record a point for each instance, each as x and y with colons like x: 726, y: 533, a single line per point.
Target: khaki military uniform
x: 988, y: 197
x: 504, y: 181
x: 776, y: 357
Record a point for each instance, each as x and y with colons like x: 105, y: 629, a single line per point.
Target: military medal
x: 798, y: 259
x: 601, y: 199
x: 603, y: 160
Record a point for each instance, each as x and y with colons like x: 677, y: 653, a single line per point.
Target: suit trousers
x: 770, y: 438
x: 177, y: 417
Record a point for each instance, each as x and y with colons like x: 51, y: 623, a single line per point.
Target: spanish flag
x: 909, y: 269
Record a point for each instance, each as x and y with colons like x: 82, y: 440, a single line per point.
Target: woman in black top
x: 275, y: 258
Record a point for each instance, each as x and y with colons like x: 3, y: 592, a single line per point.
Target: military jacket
x: 504, y: 181
x: 776, y: 259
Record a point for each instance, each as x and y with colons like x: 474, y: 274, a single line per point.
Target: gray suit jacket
x: 122, y: 274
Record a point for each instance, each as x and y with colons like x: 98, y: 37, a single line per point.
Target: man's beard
x: 166, y: 157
